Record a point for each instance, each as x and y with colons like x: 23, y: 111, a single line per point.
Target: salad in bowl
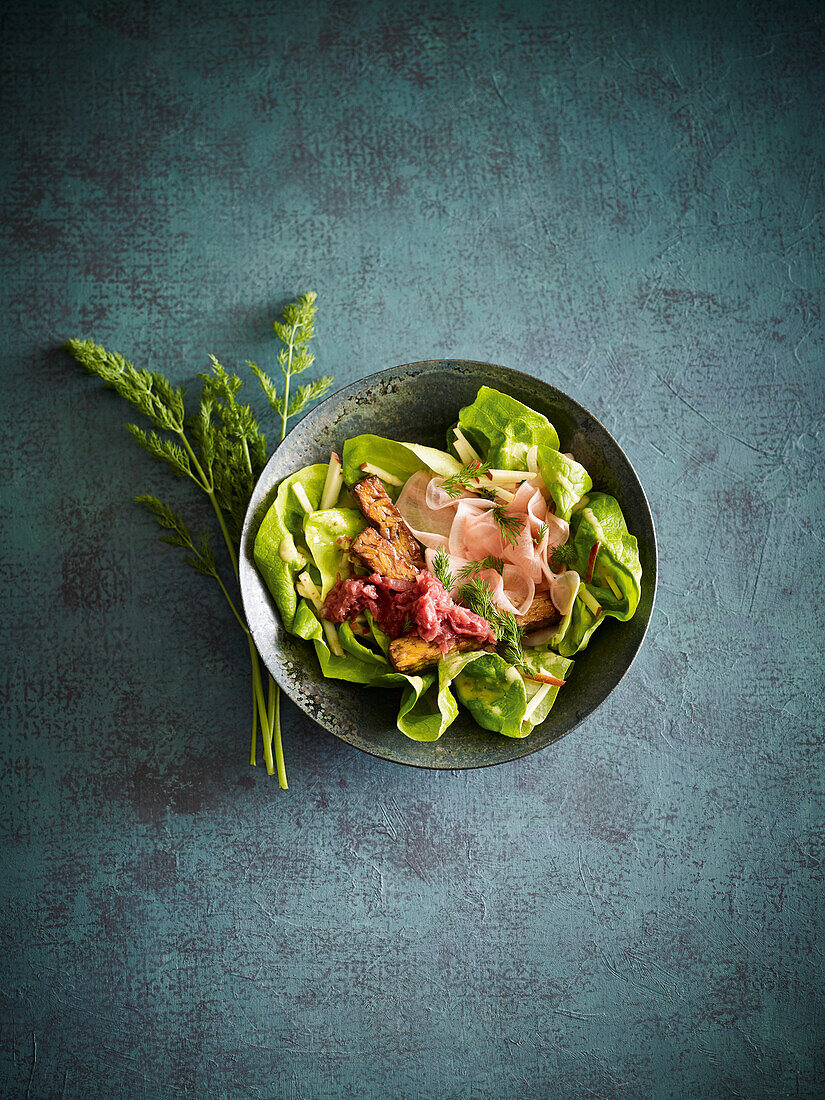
x: 470, y: 576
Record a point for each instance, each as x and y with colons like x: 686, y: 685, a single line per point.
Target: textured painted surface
x: 627, y: 204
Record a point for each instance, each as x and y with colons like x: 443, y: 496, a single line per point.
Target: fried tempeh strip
x: 542, y: 612
x: 383, y: 515
x: 411, y: 654
x: 380, y: 555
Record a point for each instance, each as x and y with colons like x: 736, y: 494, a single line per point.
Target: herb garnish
x: 563, y: 555
x: 542, y: 531
x: 295, y: 332
x: 441, y: 568
x: 478, y: 566
x: 459, y: 483
x: 510, y: 526
x: 478, y: 596
x: 222, y: 450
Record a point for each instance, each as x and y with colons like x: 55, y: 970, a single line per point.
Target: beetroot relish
x: 423, y: 601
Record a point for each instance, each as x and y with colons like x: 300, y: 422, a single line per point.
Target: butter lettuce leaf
x: 401, y: 460
x: 321, y: 533
x: 492, y: 691
x: 543, y: 659
x: 503, y: 430
x: 275, y: 551
x: 425, y: 711
x: 566, y: 480
x: 617, y: 571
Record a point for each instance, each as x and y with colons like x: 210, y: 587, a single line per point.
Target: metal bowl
x: 418, y: 403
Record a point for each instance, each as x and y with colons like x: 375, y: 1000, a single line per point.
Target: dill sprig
x: 222, y: 449
x: 487, y: 494
x: 295, y: 332
x: 563, y: 555
x: 510, y: 526
x: 478, y: 596
x: 459, y: 483
x: 478, y: 566
x: 441, y: 568
x: 542, y: 531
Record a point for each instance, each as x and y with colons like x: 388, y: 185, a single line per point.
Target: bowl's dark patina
x: 418, y: 402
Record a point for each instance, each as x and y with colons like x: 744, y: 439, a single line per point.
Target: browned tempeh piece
x: 382, y: 514
x: 541, y: 612
x: 412, y: 654
x: 381, y: 556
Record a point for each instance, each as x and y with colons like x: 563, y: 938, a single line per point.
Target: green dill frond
x: 165, y: 450
x: 459, y: 483
x: 542, y: 531
x: 269, y: 388
x: 477, y: 595
x: 295, y: 331
x: 510, y: 526
x: 478, y: 566
x: 201, y: 558
x: 563, y: 555
x: 150, y: 393
x: 305, y: 394
x: 509, y: 637
x: 441, y: 568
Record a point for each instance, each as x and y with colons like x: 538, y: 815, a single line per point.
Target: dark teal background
x: 625, y: 200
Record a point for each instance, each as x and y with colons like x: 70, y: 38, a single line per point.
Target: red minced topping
x: 422, y: 605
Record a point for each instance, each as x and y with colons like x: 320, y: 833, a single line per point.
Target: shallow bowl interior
x: 418, y: 402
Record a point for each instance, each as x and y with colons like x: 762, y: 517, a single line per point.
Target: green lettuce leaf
x: 490, y: 689
x: 617, y: 560
x: 425, y: 710
x: 275, y: 553
x: 503, y: 430
x: 401, y: 460
x: 321, y: 533
x: 567, y: 480
x: 543, y: 659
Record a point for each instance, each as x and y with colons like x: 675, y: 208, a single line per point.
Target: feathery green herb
x: 477, y: 595
x: 477, y: 566
x: 295, y: 332
x: 222, y: 449
x: 441, y: 568
x: 459, y: 483
x: 563, y: 555
x: 542, y: 531
x: 487, y: 494
x: 510, y: 526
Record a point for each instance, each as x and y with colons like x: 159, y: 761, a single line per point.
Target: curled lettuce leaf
x: 321, y: 533
x: 503, y: 430
x: 493, y: 693
x: 543, y: 659
x: 566, y: 480
x: 425, y: 710
x: 617, y: 561
x: 496, y: 694
x: 401, y: 460
x: 275, y: 552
